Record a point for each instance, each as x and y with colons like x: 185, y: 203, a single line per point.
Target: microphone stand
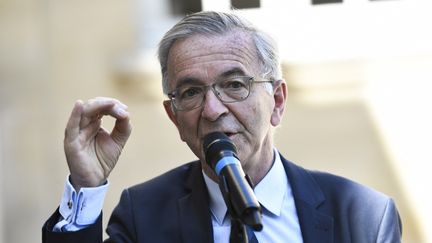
x: 238, y: 232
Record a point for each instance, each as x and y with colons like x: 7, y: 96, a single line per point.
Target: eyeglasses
x: 235, y: 89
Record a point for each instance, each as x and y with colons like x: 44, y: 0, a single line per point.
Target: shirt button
x: 69, y: 204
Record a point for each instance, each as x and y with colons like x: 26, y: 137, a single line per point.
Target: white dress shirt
x: 80, y: 209
x: 280, y: 220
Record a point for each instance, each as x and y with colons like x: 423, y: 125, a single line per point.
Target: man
x: 220, y: 74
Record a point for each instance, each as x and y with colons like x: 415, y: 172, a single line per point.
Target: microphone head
x: 217, y: 145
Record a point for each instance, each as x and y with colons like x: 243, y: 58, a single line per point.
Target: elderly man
x: 220, y: 74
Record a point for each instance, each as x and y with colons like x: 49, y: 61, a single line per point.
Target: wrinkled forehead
x: 198, y: 51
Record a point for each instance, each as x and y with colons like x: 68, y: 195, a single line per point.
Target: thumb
x: 121, y: 131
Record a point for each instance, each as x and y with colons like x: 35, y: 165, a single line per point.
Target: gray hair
x: 218, y: 23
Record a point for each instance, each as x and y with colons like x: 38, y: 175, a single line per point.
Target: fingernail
x: 122, y: 112
x: 125, y: 107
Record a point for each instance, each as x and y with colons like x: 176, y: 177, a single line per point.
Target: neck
x: 260, y: 164
x: 257, y: 167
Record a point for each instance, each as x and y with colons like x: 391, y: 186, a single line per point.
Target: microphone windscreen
x: 217, y: 145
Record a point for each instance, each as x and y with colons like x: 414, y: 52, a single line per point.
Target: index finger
x: 95, y: 108
x: 72, y: 127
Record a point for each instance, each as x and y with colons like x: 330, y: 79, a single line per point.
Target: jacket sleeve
x: 91, y: 234
x: 390, y: 230
x: 121, y: 226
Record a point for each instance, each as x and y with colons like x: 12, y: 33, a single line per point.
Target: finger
x: 91, y: 130
x: 86, y: 120
x: 94, y: 109
x: 116, y: 101
x: 121, y: 131
x: 72, y: 127
x: 101, y: 101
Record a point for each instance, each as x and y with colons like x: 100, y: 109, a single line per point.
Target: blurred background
x: 359, y: 74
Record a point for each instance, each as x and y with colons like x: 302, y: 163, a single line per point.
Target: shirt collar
x: 272, y: 189
x: 264, y: 191
x: 217, y: 203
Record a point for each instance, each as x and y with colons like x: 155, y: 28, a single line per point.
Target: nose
x: 213, y: 108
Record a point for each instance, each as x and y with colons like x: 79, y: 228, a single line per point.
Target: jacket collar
x: 194, y: 212
x: 315, y: 225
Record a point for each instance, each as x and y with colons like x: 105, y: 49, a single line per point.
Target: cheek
x: 252, y: 117
x: 256, y: 115
x: 187, y: 126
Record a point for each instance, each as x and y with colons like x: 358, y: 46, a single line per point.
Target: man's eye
x: 190, y: 93
x: 234, y: 84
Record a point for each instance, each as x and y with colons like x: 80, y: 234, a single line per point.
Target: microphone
x: 221, y: 155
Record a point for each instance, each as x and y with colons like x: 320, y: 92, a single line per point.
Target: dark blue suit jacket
x: 174, y: 207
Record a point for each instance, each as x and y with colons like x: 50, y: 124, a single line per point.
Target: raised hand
x: 91, y: 151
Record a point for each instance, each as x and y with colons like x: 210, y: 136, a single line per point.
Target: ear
x: 170, y: 112
x: 280, y: 96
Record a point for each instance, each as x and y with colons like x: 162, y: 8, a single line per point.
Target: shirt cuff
x: 84, y: 207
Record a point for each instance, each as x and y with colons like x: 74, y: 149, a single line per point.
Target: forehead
x: 206, y: 57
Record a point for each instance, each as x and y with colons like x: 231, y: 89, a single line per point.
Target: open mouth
x: 230, y: 134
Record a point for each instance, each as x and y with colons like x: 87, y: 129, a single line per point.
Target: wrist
x: 79, y: 182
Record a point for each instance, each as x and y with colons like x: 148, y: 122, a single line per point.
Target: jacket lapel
x: 316, y: 226
x: 194, y: 212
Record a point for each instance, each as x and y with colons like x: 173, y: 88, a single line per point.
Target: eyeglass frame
x: 171, y: 95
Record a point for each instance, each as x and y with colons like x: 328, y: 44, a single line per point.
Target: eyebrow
x: 188, y: 81
x: 195, y: 81
x: 233, y: 72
